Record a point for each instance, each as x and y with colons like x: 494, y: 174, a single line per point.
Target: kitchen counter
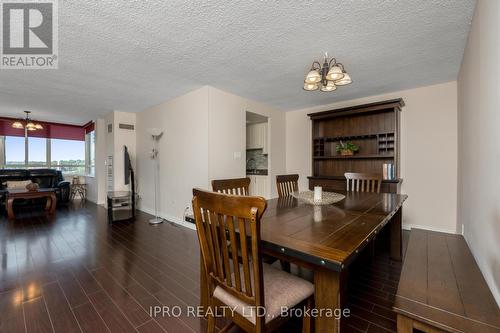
x: 257, y: 172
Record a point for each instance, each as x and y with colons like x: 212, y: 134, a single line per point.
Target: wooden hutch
x: 374, y: 128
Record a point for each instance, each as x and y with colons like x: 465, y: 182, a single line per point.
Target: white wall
x: 479, y: 142
x: 428, y: 152
x: 114, y: 146
x: 96, y: 185
x: 202, y: 131
x: 227, y: 135
x: 123, y: 137
x: 100, y: 160
x: 110, y: 147
x: 183, y: 153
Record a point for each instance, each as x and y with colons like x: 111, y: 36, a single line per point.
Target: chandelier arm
x: 334, y: 62
x: 316, y: 63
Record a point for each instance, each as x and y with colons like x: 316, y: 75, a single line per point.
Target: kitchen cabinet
x: 257, y: 137
x: 258, y: 185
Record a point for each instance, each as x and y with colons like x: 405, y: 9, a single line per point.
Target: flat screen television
x: 129, y: 177
x: 127, y: 165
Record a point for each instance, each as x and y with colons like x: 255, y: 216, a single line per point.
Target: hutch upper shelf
x: 374, y: 128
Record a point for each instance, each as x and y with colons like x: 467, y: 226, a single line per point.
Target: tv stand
x: 121, y: 206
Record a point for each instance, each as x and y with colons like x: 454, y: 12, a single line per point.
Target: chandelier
x: 27, y: 123
x: 327, y: 77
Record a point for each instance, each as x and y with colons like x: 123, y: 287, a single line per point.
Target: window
x: 68, y: 156
x: 73, y: 152
x: 14, y: 152
x: 72, y: 157
x: 90, y: 153
x: 37, y: 152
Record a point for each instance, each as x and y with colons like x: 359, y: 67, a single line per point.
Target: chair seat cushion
x: 281, y: 289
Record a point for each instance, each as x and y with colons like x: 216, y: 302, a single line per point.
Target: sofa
x: 45, y: 178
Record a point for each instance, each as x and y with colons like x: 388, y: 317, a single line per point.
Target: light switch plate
x: 237, y: 155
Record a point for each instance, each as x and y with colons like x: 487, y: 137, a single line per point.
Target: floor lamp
x: 156, y: 134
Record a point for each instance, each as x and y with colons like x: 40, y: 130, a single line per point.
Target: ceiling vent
x: 126, y: 126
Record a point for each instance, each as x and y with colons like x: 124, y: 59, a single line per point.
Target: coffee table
x: 50, y: 194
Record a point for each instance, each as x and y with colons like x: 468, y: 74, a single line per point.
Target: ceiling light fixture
x: 27, y: 123
x: 326, y: 77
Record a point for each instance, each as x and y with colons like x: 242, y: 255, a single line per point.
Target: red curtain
x: 89, y: 127
x: 50, y: 130
x: 7, y: 130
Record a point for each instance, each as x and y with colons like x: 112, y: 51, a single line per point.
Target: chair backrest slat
x: 287, y: 184
x: 244, y: 258
x: 214, y: 223
x: 218, y: 216
x: 224, y: 248
x: 363, y: 182
x: 235, y: 186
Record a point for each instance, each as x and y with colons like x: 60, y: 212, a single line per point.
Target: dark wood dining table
x: 327, y: 239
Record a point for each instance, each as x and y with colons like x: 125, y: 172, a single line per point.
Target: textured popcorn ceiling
x: 129, y: 55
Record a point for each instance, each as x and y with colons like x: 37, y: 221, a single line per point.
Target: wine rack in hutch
x: 374, y: 128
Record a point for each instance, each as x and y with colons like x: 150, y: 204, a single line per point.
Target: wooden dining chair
x: 363, y: 182
x: 239, y: 186
x: 235, y: 186
x: 287, y: 184
x: 251, y: 284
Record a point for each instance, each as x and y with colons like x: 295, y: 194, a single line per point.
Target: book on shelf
x: 388, y: 171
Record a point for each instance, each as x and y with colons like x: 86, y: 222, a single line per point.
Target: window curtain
x: 89, y: 127
x: 50, y: 130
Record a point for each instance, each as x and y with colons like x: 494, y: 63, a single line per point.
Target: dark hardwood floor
x: 373, y: 283
x: 77, y: 273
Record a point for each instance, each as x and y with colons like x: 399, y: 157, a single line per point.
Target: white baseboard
x: 96, y: 202
x: 170, y: 218
x: 426, y: 227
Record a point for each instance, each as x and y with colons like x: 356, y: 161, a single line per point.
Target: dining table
x: 327, y: 239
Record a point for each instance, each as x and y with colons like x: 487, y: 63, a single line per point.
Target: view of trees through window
x: 37, y: 152
x: 14, y: 152
x: 65, y: 155
x: 68, y: 156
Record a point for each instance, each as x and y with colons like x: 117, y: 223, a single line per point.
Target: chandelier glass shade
x: 326, y: 77
x: 330, y: 86
x: 344, y: 81
x: 310, y: 86
x: 27, y: 123
x: 18, y: 125
x: 313, y: 77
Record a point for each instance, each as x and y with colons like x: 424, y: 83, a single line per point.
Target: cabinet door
x: 259, y: 142
x: 257, y: 136
x: 264, y: 139
x: 261, y: 186
x: 252, y: 136
x: 252, y: 190
x: 249, y: 137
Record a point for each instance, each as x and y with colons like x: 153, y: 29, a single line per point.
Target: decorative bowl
x: 327, y: 198
x: 32, y: 187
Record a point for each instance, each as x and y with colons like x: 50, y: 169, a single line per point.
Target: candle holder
x: 318, y: 194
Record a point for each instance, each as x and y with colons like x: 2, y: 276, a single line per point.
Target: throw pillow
x: 17, y: 184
